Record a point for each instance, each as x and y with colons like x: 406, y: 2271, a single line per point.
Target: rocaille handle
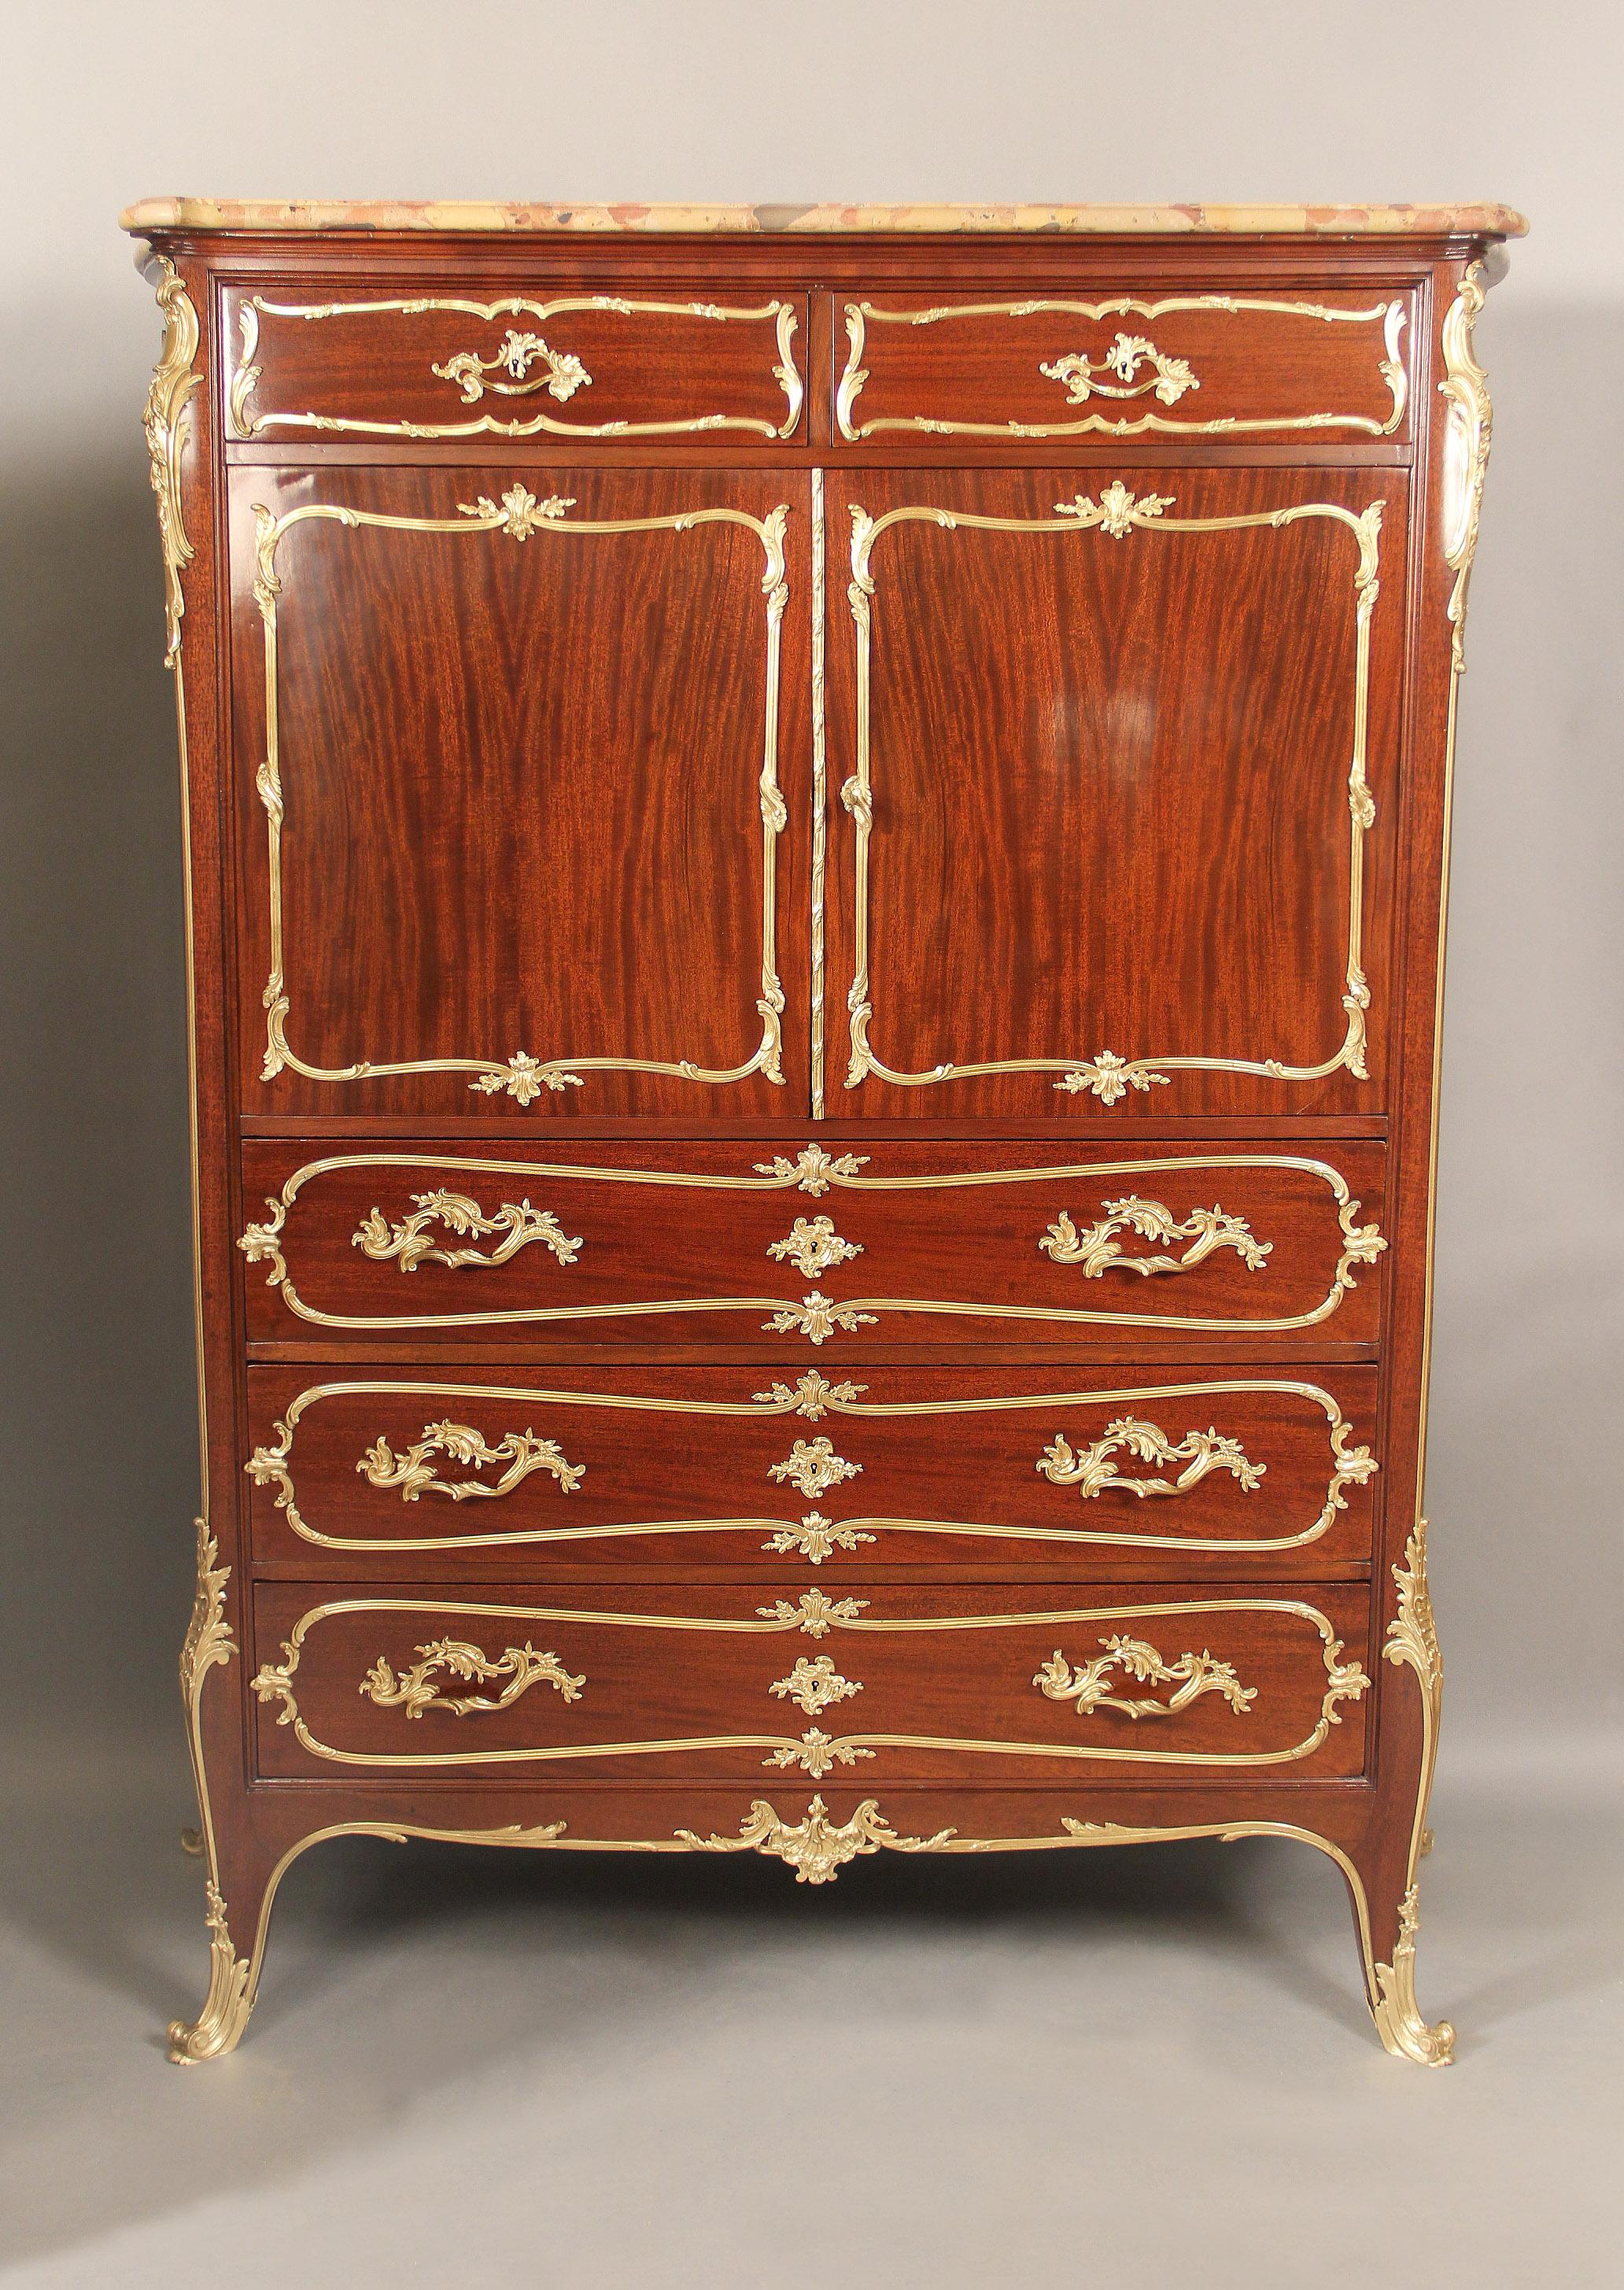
x: 1098, y: 1249
x: 409, y: 1242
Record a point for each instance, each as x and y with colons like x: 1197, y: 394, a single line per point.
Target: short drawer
x: 879, y: 1682
x: 723, y: 1241
x: 438, y: 364
x: 784, y: 1470
x: 1132, y: 364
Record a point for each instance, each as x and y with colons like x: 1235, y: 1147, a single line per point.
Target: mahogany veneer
x: 693, y: 1677
x: 915, y: 1243
x: 1010, y: 1472
x: 815, y: 849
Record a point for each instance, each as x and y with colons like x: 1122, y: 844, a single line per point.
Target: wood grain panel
x: 1133, y: 365
x: 786, y: 1469
x: 1090, y: 843
x: 521, y: 790
x: 732, y: 1243
x: 718, y: 1683
x: 531, y: 363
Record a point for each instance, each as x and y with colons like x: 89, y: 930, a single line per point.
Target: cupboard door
x: 1113, y: 790
x: 522, y: 793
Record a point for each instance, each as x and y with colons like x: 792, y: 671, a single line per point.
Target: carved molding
x: 816, y: 1848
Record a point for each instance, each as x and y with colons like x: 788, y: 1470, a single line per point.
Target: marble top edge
x: 1486, y: 220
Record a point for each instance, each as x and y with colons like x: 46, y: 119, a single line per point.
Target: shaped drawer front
x: 791, y: 1471
x: 541, y: 364
x: 879, y: 1683
x: 719, y: 1241
x: 1131, y: 365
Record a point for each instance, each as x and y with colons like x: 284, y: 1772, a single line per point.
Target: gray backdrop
x: 823, y: 98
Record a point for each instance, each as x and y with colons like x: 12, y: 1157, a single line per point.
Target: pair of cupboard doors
x: 654, y: 780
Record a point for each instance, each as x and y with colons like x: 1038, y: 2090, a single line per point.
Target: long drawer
x: 723, y: 1241
x: 880, y: 1681
x: 1129, y: 364
x: 543, y: 363
x: 784, y: 1470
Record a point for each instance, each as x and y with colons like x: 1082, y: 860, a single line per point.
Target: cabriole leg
x: 1390, y: 1874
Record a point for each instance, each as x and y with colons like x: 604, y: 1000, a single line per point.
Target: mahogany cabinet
x: 815, y: 853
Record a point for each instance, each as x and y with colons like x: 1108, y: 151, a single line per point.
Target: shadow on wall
x: 400, y: 1983
x: 100, y: 1465
x: 665, y: 2012
x: 100, y: 1444
x: 1528, y: 1566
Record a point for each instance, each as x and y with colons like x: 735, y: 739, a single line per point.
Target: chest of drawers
x: 815, y: 850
